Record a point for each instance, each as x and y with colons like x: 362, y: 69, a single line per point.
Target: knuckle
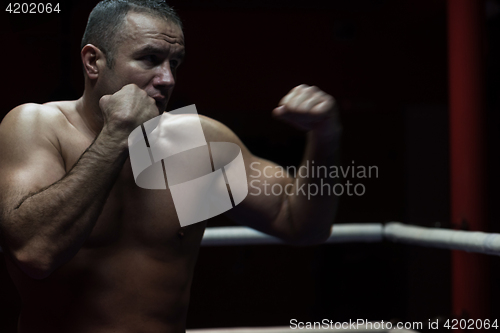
x: 140, y: 93
x: 315, y: 90
x: 320, y: 96
x: 134, y: 89
x: 103, y: 100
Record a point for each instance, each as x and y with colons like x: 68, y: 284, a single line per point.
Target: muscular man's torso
x: 133, y: 273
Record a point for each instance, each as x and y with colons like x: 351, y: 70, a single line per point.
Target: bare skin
x: 90, y: 251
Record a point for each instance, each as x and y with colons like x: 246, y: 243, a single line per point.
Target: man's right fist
x: 128, y: 108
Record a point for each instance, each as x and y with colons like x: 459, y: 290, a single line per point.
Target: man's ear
x: 93, y: 60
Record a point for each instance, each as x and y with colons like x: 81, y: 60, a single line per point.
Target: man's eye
x: 150, y: 58
x: 174, y: 64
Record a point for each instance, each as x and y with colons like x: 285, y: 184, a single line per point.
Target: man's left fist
x: 309, y: 108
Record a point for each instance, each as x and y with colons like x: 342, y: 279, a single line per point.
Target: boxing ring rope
x: 341, y: 233
x: 470, y: 241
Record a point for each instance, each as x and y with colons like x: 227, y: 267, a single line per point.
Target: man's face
x: 148, y: 53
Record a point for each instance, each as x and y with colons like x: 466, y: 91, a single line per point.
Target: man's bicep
x: 29, y: 161
x: 27, y: 176
x: 263, y: 208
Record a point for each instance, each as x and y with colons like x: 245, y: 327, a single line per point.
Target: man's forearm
x: 49, y: 227
x: 312, y: 213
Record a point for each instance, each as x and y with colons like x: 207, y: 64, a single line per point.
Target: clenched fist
x: 127, y: 108
x: 309, y: 108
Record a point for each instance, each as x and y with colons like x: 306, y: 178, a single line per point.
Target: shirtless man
x: 90, y: 251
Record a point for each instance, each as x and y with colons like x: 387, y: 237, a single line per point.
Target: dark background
x: 385, y: 61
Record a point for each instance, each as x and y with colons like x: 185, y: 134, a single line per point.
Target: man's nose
x: 164, y: 76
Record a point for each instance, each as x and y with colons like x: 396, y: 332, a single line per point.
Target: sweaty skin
x: 90, y: 251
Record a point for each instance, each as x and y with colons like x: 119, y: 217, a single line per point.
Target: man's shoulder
x: 32, y: 121
x: 30, y: 114
x: 214, y: 130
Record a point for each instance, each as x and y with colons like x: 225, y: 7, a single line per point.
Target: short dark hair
x: 107, y: 17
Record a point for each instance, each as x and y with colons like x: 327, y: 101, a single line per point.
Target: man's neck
x: 89, y: 110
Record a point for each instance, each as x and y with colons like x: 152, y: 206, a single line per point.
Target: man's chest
x: 133, y: 216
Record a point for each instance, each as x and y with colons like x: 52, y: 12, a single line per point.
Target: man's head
x: 106, y: 22
x: 140, y: 44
